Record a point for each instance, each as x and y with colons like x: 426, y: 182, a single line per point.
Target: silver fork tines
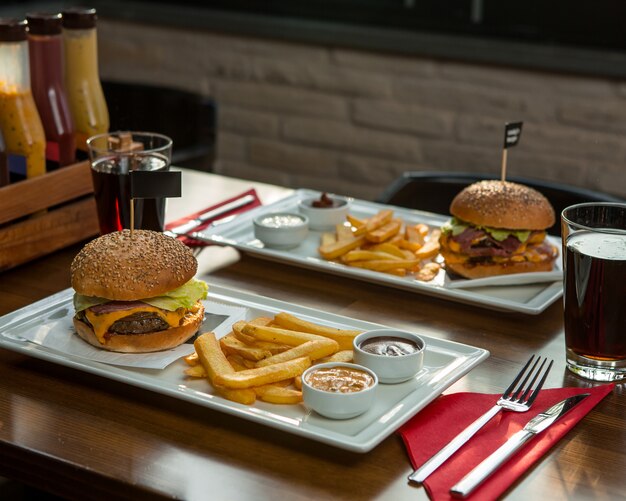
x: 518, y: 397
x: 513, y: 396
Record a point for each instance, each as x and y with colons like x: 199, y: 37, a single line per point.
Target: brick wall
x: 350, y: 121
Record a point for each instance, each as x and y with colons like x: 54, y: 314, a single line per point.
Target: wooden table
x: 86, y: 437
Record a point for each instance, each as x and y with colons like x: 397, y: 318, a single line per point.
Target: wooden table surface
x: 87, y: 437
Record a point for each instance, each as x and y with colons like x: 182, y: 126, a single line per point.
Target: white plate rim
x: 220, y: 235
x: 466, y: 358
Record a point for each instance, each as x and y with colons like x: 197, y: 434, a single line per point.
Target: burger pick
x: 136, y: 294
x: 498, y: 228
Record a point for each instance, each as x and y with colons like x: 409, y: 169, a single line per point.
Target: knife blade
x: 535, y: 426
x: 185, y: 228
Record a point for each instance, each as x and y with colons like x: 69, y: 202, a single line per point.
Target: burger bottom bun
x: 144, y: 343
x: 482, y: 270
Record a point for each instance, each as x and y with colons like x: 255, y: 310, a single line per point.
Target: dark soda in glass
x: 595, y: 295
x: 111, y: 182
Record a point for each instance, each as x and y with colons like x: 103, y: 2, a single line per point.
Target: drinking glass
x: 113, y: 156
x: 594, y: 266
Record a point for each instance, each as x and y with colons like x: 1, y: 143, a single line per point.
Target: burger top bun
x: 502, y: 204
x: 119, y: 267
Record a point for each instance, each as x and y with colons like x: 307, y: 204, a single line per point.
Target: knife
x: 185, y: 228
x: 536, y: 425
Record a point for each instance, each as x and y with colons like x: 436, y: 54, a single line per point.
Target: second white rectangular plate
x: 528, y: 293
x: 444, y: 363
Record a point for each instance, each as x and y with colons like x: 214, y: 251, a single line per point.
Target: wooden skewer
x: 503, y: 176
x: 124, y: 143
x: 132, y: 217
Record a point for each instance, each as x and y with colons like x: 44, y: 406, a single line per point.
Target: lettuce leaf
x: 83, y: 302
x: 500, y: 235
x: 183, y: 297
x: 456, y: 227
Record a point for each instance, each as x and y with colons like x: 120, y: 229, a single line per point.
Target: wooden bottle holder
x: 47, y: 213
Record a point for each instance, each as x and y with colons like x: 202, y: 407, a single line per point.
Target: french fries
x: 278, y: 395
x: 355, y: 222
x: 216, y: 366
x: 345, y: 356
x: 366, y: 255
x: 195, y: 371
x: 264, y: 358
x: 340, y: 247
x: 277, y: 335
x: 192, y: 359
x: 385, y: 244
x: 375, y: 222
x: 385, y: 232
x: 343, y: 232
x: 428, y: 272
x: 328, y: 239
x: 430, y: 248
x: 262, y: 375
x: 231, y: 345
x: 343, y: 337
x: 388, y: 248
x: 312, y: 349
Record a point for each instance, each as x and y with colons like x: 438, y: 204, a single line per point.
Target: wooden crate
x: 41, y: 215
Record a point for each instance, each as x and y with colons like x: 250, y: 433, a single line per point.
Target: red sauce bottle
x: 45, y: 48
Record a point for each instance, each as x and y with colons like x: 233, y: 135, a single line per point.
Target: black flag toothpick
x: 512, y: 133
x: 152, y: 184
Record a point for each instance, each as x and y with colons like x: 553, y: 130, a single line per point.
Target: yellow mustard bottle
x: 82, y: 79
x: 24, y: 137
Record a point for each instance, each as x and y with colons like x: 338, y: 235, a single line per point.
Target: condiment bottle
x: 4, y: 167
x: 45, y: 48
x: 19, y: 119
x: 82, y: 80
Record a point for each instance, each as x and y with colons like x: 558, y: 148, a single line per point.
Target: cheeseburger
x: 136, y: 294
x: 498, y: 228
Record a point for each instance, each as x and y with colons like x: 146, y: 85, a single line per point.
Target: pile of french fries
x: 386, y: 244
x: 265, y: 357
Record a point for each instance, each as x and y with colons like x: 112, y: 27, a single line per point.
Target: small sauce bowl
x: 318, y: 383
x: 325, y: 218
x: 394, y: 355
x: 281, y: 230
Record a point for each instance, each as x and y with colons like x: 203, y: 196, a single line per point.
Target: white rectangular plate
x: 528, y: 293
x: 444, y: 363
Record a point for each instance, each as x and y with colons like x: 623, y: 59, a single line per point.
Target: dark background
x: 584, y: 37
x: 583, y: 23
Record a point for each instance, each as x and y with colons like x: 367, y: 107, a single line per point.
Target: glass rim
x: 93, y: 139
x: 580, y: 226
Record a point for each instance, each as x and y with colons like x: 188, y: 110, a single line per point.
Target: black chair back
x: 189, y: 119
x: 434, y: 191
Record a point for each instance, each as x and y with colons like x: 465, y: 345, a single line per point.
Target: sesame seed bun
x: 502, y: 204
x: 119, y: 267
x: 147, y: 342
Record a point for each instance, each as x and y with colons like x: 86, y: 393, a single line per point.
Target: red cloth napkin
x: 443, y: 419
x: 194, y: 243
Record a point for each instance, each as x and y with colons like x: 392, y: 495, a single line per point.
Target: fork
x: 516, y: 398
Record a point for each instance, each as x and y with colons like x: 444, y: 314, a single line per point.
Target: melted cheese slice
x: 102, y: 322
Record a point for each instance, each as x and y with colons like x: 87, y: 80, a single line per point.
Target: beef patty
x: 139, y: 323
